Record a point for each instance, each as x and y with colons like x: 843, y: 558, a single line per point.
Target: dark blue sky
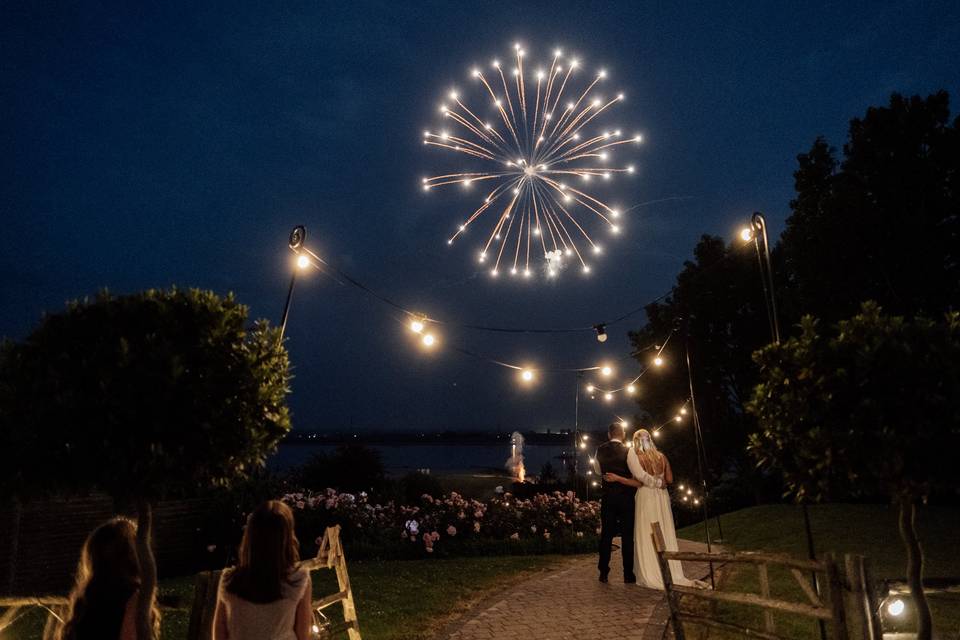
x: 175, y: 145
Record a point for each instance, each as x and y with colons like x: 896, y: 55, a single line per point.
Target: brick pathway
x: 569, y: 603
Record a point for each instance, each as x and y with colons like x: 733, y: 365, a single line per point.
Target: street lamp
x: 758, y: 232
x: 297, y: 237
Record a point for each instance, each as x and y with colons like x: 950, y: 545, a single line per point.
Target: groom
x: 616, y: 504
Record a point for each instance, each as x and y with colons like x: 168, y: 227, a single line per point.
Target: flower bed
x: 451, y: 525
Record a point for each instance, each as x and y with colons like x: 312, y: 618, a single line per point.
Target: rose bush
x: 450, y: 525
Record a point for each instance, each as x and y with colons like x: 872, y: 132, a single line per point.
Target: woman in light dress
x: 652, y: 505
x: 266, y: 596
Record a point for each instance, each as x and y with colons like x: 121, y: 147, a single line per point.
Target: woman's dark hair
x: 107, y: 576
x: 268, y: 554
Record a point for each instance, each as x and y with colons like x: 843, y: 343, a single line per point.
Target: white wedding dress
x: 652, y: 505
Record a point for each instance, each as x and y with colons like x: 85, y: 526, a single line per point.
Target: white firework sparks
x: 528, y: 152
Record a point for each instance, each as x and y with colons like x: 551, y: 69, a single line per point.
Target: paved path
x: 569, y: 603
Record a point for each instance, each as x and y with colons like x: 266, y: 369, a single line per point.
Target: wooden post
x: 204, y: 605
x: 873, y: 605
x: 343, y: 581
x: 836, y: 598
x: 768, y: 624
x: 673, y: 600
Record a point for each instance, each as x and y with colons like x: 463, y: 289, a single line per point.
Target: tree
x: 142, y: 396
x: 719, y: 298
x: 882, y: 224
x: 865, y: 407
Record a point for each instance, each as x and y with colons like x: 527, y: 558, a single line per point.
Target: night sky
x: 176, y: 145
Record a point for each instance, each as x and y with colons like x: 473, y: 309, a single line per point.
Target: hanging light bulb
x: 416, y: 326
x: 683, y: 411
x: 429, y: 340
x: 590, y: 388
x: 746, y: 234
x: 526, y: 375
x: 606, y: 370
x: 601, y: 332
x: 303, y: 261
x: 631, y: 389
x: 658, y: 361
x: 608, y: 396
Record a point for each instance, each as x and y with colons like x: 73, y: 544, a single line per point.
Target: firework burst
x: 535, y: 158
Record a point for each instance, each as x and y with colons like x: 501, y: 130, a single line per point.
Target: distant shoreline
x: 420, y: 439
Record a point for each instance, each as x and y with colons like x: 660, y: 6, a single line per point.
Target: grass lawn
x: 396, y: 599
x: 870, y: 530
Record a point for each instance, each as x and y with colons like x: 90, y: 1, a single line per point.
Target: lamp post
x: 700, y: 447
x: 758, y: 227
x: 297, y: 237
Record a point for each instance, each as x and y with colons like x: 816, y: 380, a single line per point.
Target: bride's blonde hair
x: 638, y: 436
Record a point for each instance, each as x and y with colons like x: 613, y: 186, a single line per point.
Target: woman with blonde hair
x: 652, y: 504
x: 267, y: 595
x: 103, y: 603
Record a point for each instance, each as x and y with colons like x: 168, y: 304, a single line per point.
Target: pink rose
x: 451, y: 530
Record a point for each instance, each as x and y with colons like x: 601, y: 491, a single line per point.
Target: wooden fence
x: 850, y: 609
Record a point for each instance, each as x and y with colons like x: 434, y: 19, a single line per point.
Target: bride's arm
x: 667, y: 471
x: 643, y: 478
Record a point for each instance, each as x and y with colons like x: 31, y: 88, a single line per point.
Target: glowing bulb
x: 586, y: 269
x: 608, y: 396
x: 590, y: 388
x: 453, y: 95
x: 475, y: 73
x: 678, y: 418
x: 526, y: 375
x: 315, y: 629
x: 638, y: 138
x: 681, y: 487
x: 574, y: 63
x: 526, y: 273
x: 630, y: 169
x: 540, y: 74
x: 614, y: 229
x: 557, y: 53
x: 602, y: 74
x: 303, y: 262
x: 689, y: 492
x: 606, y: 371
x: 746, y: 234
x: 683, y: 411
x: 656, y: 434
x: 896, y: 607
x: 495, y: 64
x: 429, y: 340
x: 494, y: 273
x: 593, y: 484
x: 631, y: 389
x: 583, y: 445
x: 536, y: 231
x: 658, y: 361
x: 567, y: 198
x: 597, y: 249
x: 513, y: 272
x: 416, y: 326
x: 624, y: 424
x: 444, y: 135
x: 596, y: 102
x: 614, y: 213
x: 483, y: 256
x: 696, y: 501
x: 619, y: 97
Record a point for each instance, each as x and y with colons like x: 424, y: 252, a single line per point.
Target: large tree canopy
x: 141, y: 396
x: 717, y: 301
x: 883, y: 223
x: 865, y: 407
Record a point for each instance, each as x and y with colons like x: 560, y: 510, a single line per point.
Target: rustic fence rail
x: 850, y: 608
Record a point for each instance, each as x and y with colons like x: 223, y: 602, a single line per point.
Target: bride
x: 651, y: 505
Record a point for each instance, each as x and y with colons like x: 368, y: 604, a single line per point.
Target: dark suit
x: 616, y: 508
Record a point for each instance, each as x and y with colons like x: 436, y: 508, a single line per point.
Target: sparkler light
x: 535, y: 138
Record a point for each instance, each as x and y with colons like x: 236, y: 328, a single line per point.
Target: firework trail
x: 536, y: 153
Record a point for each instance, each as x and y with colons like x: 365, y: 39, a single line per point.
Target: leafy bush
x: 351, y: 468
x: 416, y: 484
